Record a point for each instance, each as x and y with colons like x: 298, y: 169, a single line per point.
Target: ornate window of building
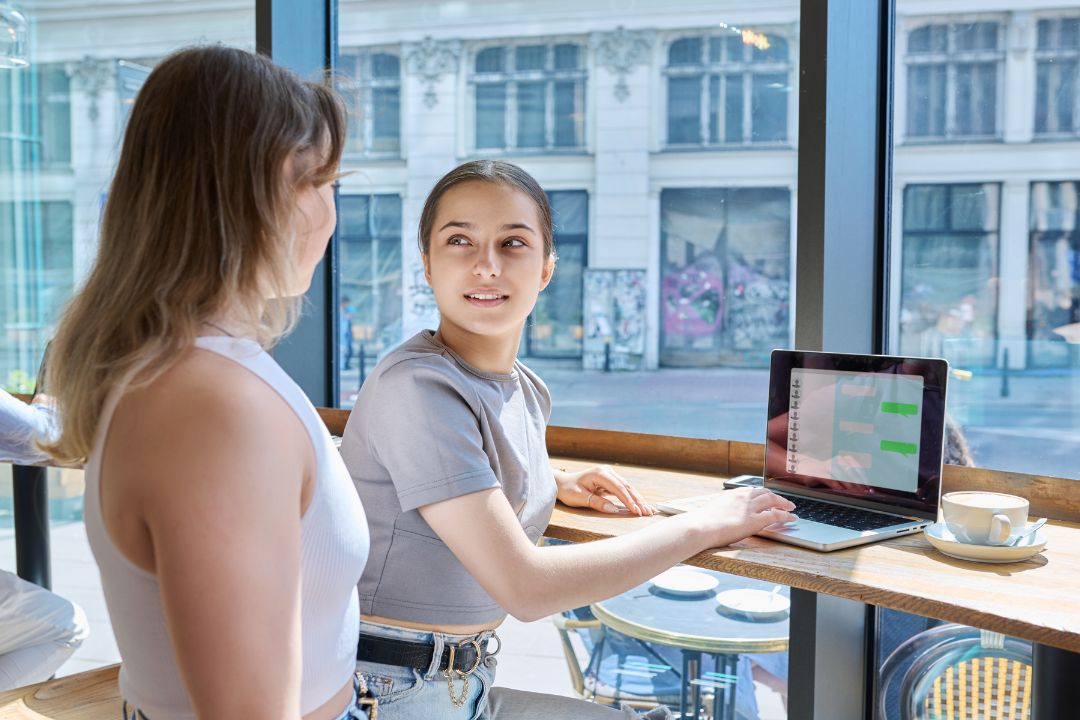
x: 529, y: 96
x: 727, y: 90
x: 954, y: 75
x: 373, y: 93
x: 1057, y: 65
x: 35, y: 117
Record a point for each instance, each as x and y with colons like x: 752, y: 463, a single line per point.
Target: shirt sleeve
x: 21, y: 427
x: 425, y: 431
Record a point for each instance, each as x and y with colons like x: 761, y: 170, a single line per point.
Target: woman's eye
x: 457, y: 240
x: 514, y: 242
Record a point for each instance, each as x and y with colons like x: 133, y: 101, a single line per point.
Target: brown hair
x: 493, y: 171
x: 199, y: 221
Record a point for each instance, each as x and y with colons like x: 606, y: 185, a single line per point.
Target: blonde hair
x: 198, y: 221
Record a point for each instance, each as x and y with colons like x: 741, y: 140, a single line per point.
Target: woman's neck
x: 490, y: 353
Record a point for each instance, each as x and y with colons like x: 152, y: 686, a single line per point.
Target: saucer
x: 753, y: 604
x: 946, y: 543
x: 684, y: 582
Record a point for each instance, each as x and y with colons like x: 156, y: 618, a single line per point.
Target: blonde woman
x: 227, y: 532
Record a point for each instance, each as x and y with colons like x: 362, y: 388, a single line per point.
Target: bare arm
x: 531, y: 582
x: 212, y: 462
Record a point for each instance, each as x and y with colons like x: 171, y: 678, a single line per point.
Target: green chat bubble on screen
x: 896, y: 408
x: 904, y: 448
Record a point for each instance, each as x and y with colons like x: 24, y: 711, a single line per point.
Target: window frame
x: 1051, y: 56
x: 721, y: 71
x: 356, y: 63
x: 951, y: 58
x: 510, y: 78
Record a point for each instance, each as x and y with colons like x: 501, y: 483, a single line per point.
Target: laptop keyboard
x: 851, y: 518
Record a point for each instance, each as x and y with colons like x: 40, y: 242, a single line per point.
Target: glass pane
x: 984, y: 248
x: 926, y: 100
x: 491, y: 116
x: 539, y: 93
x: 733, y: 109
x: 490, y: 60
x: 685, y: 52
x: 386, y: 122
x: 928, y: 39
x: 530, y: 57
x: 768, y: 108
x: 569, y: 113
x: 684, y: 109
x: 725, y: 290
x: 385, y: 66
x: 369, y: 317
x: 61, y: 124
x: 567, y: 57
x: 531, y: 109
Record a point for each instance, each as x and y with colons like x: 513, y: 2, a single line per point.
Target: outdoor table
x: 694, y: 625
x: 1037, y: 599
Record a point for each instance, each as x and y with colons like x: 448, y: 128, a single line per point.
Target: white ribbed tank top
x: 334, y: 548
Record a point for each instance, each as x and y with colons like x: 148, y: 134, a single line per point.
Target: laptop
x: 855, y: 441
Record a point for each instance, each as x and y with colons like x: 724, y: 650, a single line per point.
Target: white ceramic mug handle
x: 1000, y: 529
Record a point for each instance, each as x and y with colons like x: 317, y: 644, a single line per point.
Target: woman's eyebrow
x: 517, y: 226
x: 458, y: 223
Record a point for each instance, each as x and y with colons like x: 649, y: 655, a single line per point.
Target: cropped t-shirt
x: 427, y: 427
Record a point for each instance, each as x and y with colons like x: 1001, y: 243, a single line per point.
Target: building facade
x: 666, y: 134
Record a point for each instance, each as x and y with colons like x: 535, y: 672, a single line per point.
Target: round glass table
x: 698, y: 625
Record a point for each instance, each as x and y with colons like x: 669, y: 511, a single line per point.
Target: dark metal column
x: 1055, y: 692
x: 30, y: 496
x: 302, y: 35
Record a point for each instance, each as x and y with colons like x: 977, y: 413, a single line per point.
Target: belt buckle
x: 365, y: 700
x: 459, y: 700
x: 476, y: 663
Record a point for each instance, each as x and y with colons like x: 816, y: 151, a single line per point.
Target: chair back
x: 959, y: 673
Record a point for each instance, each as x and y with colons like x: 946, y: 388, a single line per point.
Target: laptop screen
x: 868, y: 428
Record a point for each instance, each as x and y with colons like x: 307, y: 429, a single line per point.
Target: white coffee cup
x: 983, y: 518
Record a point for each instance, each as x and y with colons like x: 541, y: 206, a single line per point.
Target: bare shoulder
x: 205, y: 437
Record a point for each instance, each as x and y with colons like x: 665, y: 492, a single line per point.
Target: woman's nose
x: 487, y: 262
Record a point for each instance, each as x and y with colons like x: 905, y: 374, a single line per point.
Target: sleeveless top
x: 334, y: 547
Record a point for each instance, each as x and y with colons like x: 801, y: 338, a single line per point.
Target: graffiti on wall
x: 615, y: 317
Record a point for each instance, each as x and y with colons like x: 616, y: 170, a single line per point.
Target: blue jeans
x: 407, y: 694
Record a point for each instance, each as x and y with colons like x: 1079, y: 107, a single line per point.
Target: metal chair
x: 616, y: 668
x: 958, y: 673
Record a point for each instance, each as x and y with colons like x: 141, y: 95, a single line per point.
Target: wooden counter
x: 1037, y: 599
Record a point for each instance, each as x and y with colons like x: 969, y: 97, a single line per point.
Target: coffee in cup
x: 983, y: 518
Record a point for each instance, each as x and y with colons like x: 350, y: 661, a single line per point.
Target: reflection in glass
x: 725, y: 294
x: 950, y: 259
x: 554, y: 329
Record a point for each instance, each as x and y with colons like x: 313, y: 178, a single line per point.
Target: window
x: 730, y: 89
x: 369, y: 233
x: 35, y: 116
x: 375, y: 83
x: 529, y: 97
x: 948, y: 305
x: 1054, y: 305
x: 725, y: 295
x: 1057, y: 65
x: 555, y: 327
x: 953, y: 74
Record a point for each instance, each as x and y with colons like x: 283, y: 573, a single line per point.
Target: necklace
x: 218, y: 327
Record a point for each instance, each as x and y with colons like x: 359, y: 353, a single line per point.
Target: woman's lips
x: 486, y: 299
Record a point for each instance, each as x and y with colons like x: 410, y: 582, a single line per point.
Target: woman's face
x: 314, y: 220
x: 486, y: 262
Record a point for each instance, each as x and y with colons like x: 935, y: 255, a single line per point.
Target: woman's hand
x: 736, y: 514
x: 594, y: 487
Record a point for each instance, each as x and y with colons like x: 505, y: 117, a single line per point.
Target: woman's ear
x: 426, y: 259
x: 548, y: 272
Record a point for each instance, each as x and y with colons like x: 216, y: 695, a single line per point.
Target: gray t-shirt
x: 429, y: 427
